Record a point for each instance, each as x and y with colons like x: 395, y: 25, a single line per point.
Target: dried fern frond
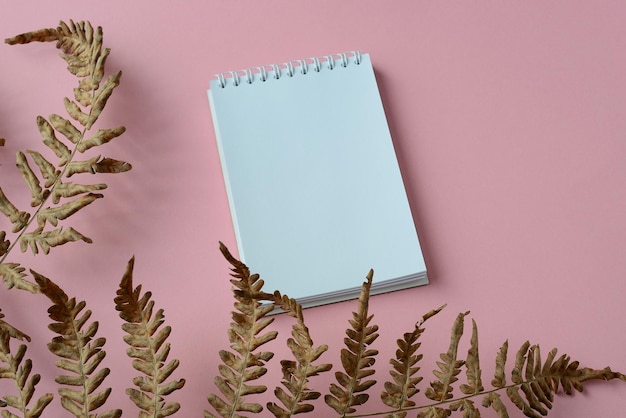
x: 397, y: 394
x: 296, y: 373
x: 148, y: 348
x: 13, y: 275
x: 243, y: 364
x: 357, y: 359
x: 535, y: 382
x: 449, y: 366
x: 18, y: 368
x: 80, y: 353
x: 82, y: 49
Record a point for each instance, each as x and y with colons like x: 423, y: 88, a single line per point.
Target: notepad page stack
x: 314, y: 187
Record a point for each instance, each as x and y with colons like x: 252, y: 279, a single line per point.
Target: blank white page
x: 313, y: 182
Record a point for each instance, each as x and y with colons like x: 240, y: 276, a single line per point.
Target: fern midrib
x: 54, y: 185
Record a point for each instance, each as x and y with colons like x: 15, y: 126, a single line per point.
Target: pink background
x: 509, y: 120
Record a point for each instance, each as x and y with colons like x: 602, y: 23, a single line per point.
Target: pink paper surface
x: 509, y: 120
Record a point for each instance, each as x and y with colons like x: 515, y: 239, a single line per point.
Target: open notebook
x: 312, y: 178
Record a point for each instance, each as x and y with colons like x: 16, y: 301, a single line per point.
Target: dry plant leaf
x: 398, y: 394
x: 449, y: 366
x: 13, y: 276
x: 357, y: 359
x: 246, y: 334
x: 80, y: 354
x: 18, y: 368
x: 296, y: 374
x: 472, y: 365
x: 48, y: 239
x: 82, y: 49
x: 18, y: 218
x: 148, y: 348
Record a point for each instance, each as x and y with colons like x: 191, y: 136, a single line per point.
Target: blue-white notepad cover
x: 314, y: 187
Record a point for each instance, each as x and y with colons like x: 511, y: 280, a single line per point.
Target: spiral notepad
x: 314, y: 187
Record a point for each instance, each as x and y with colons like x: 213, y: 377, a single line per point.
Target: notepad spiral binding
x: 288, y: 68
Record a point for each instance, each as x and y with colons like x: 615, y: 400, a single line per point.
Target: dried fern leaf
x: 246, y: 334
x: 46, y: 168
x: 66, y: 128
x: 38, y: 193
x: 357, y: 359
x: 434, y: 412
x: 296, y: 374
x: 97, y: 165
x: 449, y: 367
x: 102, y: 97
x: 101, y: 137
x: 19, y: 369
x: 18, y: 218
x: 46, y: 240
x: 41, y: 35
x: 4, y: 243
x: 50, y: 140
x: 81, y: 47
x: 494, y: 401
x: 467, y: 407
x: 10, y: 331
x: 58, y: 213
x: 148, y: 348
x: 79, y: 352
x: 499, y: 380
x: 472, y: 363
x: 13, y: 275
x: 25, y: 385
x: 536, y: 381
x: 397, y: 393
x: 68, y: 189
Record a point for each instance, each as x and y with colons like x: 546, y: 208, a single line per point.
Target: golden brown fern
x: 397, y: 394
x: 80, y: 353
x: 357, y: 359
x: 148, y: 348
x: 53, y: 198
x: 534, y: 383
x: 296, y: 373
x: 246, y: 334
x: 18, y: 368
